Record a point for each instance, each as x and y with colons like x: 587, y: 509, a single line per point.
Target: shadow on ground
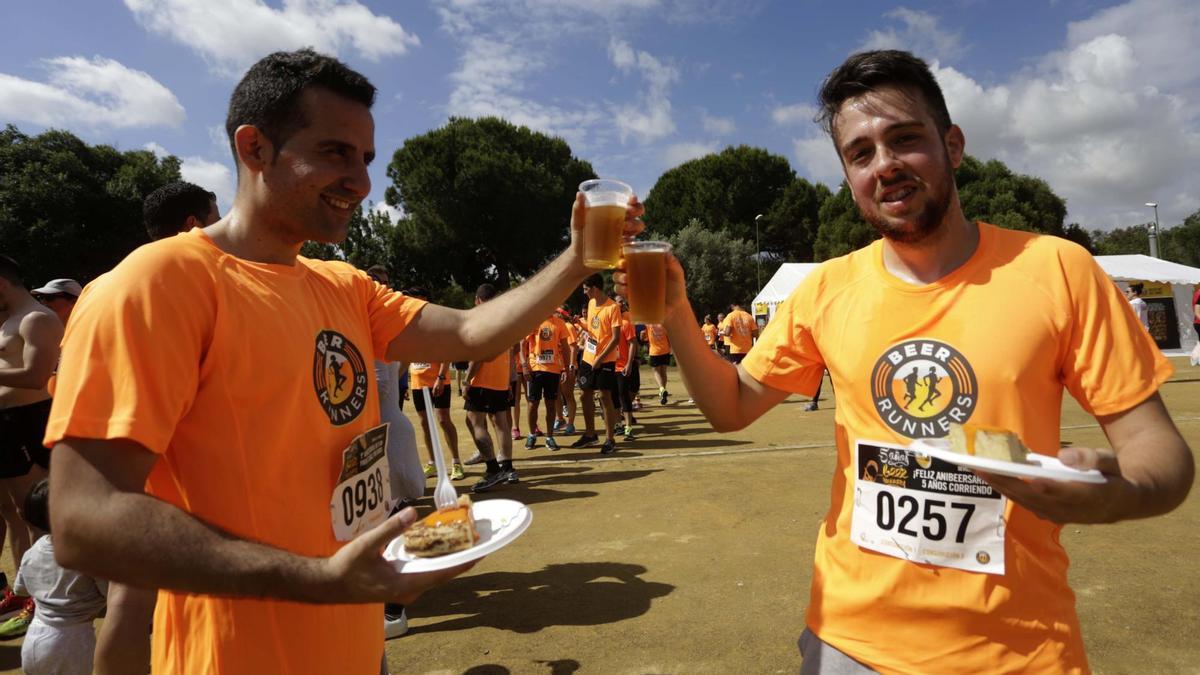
x: 569, y: 594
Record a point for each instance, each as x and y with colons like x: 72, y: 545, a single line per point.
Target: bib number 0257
x: 898, y: 514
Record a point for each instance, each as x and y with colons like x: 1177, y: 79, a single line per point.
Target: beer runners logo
x: 546, y: 333
x: 339, y: 377
x: 921, y: 386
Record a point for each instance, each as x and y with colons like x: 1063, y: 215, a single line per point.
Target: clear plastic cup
x: 605, y: 221
x: 646, y: 280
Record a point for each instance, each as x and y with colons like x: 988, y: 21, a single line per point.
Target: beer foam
x: 607, y: 198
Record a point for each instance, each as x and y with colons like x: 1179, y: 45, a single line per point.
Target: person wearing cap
x: 60, y: 296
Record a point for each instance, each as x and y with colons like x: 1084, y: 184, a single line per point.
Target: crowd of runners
x: 206, y: 415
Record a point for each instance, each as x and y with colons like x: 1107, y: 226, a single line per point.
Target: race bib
x: 546, y: 357
x: 590, y: 345
x: 925, y: 510
x: 363, y: 496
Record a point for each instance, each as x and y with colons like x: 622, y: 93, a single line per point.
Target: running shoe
x: 11, y: 604
x: 475, y: 459
x: 531, y: 442
x: 516, y: 434
x: 456, y: 472
x: 394, y: 625
x: 511, y: 477
x: 569, y: 429
x: 628, y: 435
x: 811, y: 407
x: 559, y: 425
x: 430, y: 470
x: 16, y: 626
x: 585, y: 440
x: 619, y: 427
x: 489, y: 481
x: 609, y: 447
x: 538, y: 432
x: 662, y: 397
x: 551, y: 444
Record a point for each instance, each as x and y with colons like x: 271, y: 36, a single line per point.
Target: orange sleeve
x: 389, y: 312
x: 786, y: 356
x: 1108, y: 362
x: 134, y: 348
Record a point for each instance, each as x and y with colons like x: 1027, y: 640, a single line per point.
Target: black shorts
x: 461, y: 365
x: 21, y: 431
x: 603, y: 378
x: 440, y: 401
x: 660, y: 360
x: 542, y: 385
x: 736, y: 358
x: 489, y: 401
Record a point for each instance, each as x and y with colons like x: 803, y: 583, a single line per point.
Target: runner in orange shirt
x: 710, y: 332
x: 722, y: 336
x: 566, y: 412
x: 598, y: 371
x: 247, y: 400
x: 488, y: 396
x: 923, y: 566
x: 544, y: 355
x: 660, y: 357
x: 627, y: 371
x: 740, y: 331
x: 436, y: 377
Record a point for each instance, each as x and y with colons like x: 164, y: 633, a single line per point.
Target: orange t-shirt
x: 995, y: 342
x: 722, y: 327
x: 248, y: 380
x: 710, y: 333
x: 659, y: 344
x: 544, y: 346
x: 426, y: 375
x: 603, y: 323
x: 494, y: 374
x: 627, y: 338
x: 741, y: 331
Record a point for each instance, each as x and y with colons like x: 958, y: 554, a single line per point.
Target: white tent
x: 1168, y: 293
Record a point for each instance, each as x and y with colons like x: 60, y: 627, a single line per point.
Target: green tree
x: 369, y: 238
x: 485, y: 201
x: 788, y: 230
x: 991, y: 192
x: 1122, y: 241
x: 1181, y: 244
x: 719, y: 269
x: 842, y: 228
x: 70, y: 209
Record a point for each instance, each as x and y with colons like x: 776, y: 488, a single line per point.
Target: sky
x: 1098, y: 98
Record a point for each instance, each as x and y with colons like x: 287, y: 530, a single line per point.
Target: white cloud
x: 214, y: 176
x: 797, y: 113
x: 718, y: 126
x: 394, y: 214
x: 95, y: 93
x: 920, y: 34
x: 678, y: 153
x: 232, y: 34
x: 650, y: 118
x: 818, y: 160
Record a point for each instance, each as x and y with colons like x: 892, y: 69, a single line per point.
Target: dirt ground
x: 691, y: 552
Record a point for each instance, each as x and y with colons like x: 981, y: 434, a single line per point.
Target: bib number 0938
x: 898, y: 514
x: 364, y: 495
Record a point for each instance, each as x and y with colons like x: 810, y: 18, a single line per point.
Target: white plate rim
x: 1046, y: 467
x: 520, y: 516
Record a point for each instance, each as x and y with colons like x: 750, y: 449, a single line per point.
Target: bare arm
x: 106, y: 527
x: 727, y: 395
x: 443, y: 334
x: 42, y: 334
x: 1150, y: 471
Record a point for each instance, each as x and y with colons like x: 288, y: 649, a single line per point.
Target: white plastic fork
x: 445, y: 497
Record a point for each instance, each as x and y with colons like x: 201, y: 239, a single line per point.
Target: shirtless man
x: 29, y: 336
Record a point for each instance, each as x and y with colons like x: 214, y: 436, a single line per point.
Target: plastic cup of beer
x: 605, y: 221
x: 646, y: 280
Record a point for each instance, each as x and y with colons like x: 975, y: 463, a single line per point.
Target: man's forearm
x: 608, y: 347
x: 1161, y: 476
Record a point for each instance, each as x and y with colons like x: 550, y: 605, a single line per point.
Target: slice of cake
x: 987, y: 442
x: 442, y: 532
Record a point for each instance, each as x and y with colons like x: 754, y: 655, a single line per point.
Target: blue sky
x: 1098, y: 98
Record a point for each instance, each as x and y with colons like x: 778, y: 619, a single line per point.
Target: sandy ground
x: 691, y: 552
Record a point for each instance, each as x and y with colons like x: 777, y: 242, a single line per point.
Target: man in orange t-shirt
x: 489, y: 397
x: 565, y: 422
x: 722, y: 338
x: 660, y: 357
x: 598, y: 373
x: 923, y: 566
x: 740, y: 331
x: 545, y: 354
x: 628, y: 379
x: 709, y: 330
x: 247, y: 402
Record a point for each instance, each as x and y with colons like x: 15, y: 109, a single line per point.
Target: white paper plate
x: 1040, y: 466
x: 498, y: 522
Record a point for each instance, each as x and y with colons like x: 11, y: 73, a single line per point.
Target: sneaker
x: 511, y: 477
x: 394, y: 626
x: 537, y: 432
x: 456, y: 472
x: 516, y: 434
x: 16, y: 626
x: 551, y: 444
x: 559, y: 425
x: 489, y: 481
x: 811, y: 407
x: 662, y: 397
x: 584, y: 441
x: 609, y: 447
x: 531, y: 442
x: 690, y: 400
x: 475, y: 459
x: 430, y: 470
x: 569, y: 429
x: 628, y: 435
x: 11, y: 604
x: 619, y: 428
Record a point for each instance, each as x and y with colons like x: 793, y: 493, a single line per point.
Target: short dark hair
x: 10, y: 271
x: 269, y: 94
x: 594, y: 281
x: 165, y: 211
x: 867, y: 71
x: 1137, y: 288
x: 37, y: 505
x: 485, y: 292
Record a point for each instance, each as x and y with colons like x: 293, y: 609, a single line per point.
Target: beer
x: 602, y: 236
x: 646, y: 280
x: 604, y: 222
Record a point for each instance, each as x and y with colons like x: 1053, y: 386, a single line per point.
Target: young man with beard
x: 1007, y: 321
x: 246, y: 401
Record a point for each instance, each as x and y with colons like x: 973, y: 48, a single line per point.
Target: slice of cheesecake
x: 442, y: 532
x: 987, y: 442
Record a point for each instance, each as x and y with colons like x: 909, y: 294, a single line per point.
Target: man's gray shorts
x: 821, y: 658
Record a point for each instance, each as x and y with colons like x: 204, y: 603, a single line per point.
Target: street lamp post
x: 1154, y: 230
x: 758, y: 250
